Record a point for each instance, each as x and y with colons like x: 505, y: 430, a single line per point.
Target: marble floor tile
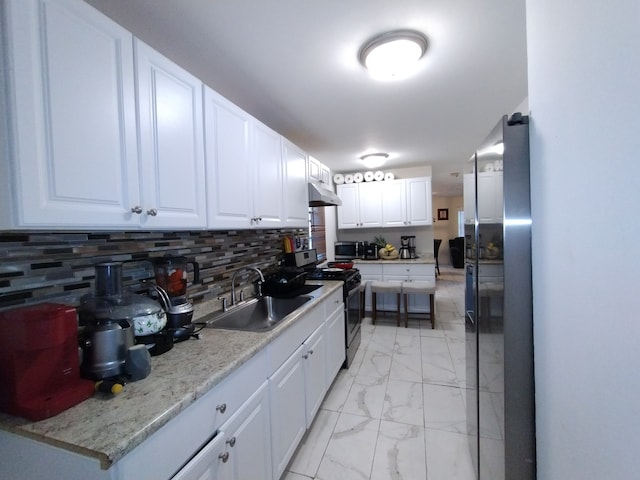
x: 407, y: 343
x: 406, y: 366
x: 295, y: 476
x: 339, y: 391
x: 437, y: 366
x: 310, y: 452
x: 444, y: 408
x: 376, y: 363
x: 366, y: 396
x: 400, y: 452
x: 403, y: 403
x: 351, y: 449
x: 448, y: 456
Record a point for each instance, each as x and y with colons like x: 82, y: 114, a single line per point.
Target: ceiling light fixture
x: 374, y: 160
x: 393, y: 55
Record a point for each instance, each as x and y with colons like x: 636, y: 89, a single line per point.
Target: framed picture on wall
x: 443, y: 214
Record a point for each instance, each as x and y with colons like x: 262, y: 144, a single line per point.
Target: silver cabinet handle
x: 224, y: 457
x: 305, y: 356
x: 231, y: 442
x: 137, y: 209
x: 222, y: 408
x: 152, y: 212
x: 311, y: 352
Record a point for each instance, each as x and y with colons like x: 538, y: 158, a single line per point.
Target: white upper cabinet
x: 361, y: 205
x: 245, y: 168
x: 71, y: 97
x: 171, y: 143
x: 418, y: 198
x: 296, y: 191
x: 319, y: 172
x: 268, y: 199
x: 391, y: 203
x: 73, y: 135
x: 229, y: 171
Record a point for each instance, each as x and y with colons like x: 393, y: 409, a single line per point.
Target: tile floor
x: 398, y: 412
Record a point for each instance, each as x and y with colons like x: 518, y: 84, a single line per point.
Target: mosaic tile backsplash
x: 59, y: 267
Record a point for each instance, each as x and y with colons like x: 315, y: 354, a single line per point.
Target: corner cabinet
x: 391, y: 203
x: 71, y: 81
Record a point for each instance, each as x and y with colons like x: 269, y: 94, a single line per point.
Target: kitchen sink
x: 257, y: 315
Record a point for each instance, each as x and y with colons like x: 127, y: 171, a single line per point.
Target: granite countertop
x: 423, y: 258
x: 109, y: 428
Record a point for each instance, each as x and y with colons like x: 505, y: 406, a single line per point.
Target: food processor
x: 109, y: 317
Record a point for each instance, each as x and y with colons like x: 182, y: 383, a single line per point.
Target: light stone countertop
x: 423, y: 258
x: 109, y: 428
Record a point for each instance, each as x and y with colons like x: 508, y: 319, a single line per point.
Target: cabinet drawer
x: 285, y: 344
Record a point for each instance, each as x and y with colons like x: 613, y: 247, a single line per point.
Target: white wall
x: 584, y: 90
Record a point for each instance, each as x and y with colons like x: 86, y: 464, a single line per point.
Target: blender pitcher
x: 171, y: 274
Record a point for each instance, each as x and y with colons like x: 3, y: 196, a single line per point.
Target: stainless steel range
x: 307, y: 260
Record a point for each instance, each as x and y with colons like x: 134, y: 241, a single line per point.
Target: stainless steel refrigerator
x: 498, y: 304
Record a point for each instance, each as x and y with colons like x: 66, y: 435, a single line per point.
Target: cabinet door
x: 394, y: 203
x: 348, y: 214
x: 370, y: 203
x: 296, y: 191
x: 315, y: 169
x: 325, y: 175
x: 419, y: 201
x: 336, y: 340
x: 209, y: 463
x: 247, y: 438
x: 171, y: 143
x: 72, y: 114
x: 268, y: 193
x: 229, y: 171
x: 288, y: 416
x: 315, y: 365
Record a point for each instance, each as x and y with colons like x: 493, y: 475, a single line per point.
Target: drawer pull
x: 152, y: 212
x: 231, y: 442
x: 311, y: 352
x: 137, y: 209
x: 305, y: 356
x: 222, y: 408
x: 224, y: 457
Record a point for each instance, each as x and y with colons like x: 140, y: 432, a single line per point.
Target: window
x: 317, y: 232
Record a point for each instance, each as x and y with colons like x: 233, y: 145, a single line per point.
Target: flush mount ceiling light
x: 374, y: 160
x: 393, y: 55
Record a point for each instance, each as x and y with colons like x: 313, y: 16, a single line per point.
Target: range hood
x: 320, y: 196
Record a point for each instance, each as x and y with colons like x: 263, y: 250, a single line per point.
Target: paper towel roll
x: 348, y: 178
x: 368, y: 176
x: 357, y: 177
x: 378, y: 176
x: 338, y: 179
x: 389, y: 176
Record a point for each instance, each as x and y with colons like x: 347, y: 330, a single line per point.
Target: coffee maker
x: 171, y: 278
x: 408, y: 246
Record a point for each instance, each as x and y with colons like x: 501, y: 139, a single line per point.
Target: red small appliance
x: 39, y: 361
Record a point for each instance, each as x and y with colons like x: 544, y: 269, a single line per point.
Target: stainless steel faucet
x: 233, y: 282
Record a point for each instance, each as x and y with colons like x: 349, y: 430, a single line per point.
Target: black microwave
x: 348, y: 250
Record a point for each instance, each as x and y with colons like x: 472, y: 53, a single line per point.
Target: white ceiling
x: 293, y: 65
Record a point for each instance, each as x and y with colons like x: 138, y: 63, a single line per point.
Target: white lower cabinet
x: 288, y: 410
x: 246, y: 428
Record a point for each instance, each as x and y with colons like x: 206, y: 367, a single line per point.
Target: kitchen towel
x: 389, y: 176
x: 378, y: 176
x: 338, y: 179
x: 357, y: 177
x: 348, y: 178
x: 368, y: 176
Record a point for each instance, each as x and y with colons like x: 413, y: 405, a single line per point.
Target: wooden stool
x: 384, y: 287
x: 420, y: 288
